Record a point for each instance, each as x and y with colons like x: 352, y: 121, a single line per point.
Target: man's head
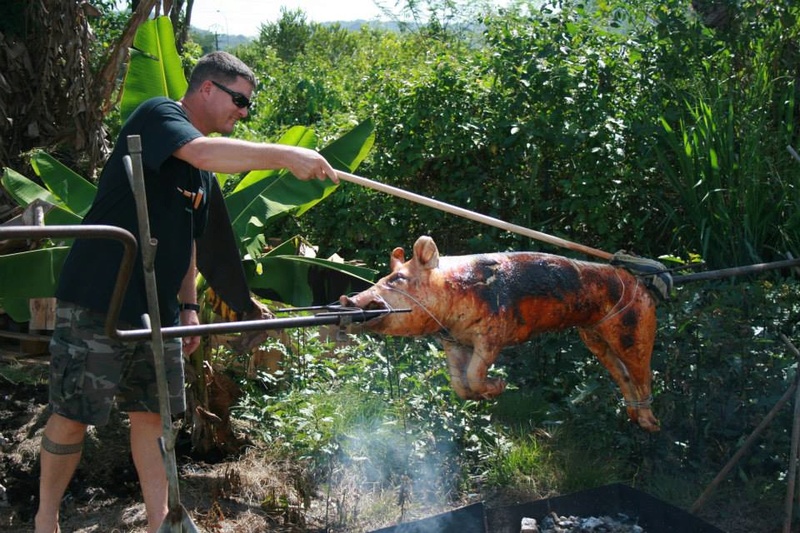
x: 219, y: 92
x: 221, y: 67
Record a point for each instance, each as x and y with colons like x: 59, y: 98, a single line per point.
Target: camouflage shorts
x: 88, y: 370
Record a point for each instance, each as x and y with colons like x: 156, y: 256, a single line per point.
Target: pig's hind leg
x: 624, y: 344
x: 635, y: 386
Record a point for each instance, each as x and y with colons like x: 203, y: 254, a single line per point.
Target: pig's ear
x: 426, y: 252
x: 397, y: 258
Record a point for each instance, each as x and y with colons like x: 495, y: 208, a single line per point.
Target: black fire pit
x: 653, y: 515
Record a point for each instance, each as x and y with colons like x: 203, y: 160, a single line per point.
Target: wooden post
x: 43, y: 310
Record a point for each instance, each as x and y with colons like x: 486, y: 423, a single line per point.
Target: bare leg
x: 65, y: 437
x: 145, y: 432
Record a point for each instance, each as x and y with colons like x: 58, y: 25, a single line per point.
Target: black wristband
x: 189, y: 307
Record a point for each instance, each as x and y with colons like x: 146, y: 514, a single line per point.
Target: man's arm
x: 231, y: 156
x: 188, y: 295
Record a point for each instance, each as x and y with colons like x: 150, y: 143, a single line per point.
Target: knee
x: 62, y: 429
x: 144, y: 419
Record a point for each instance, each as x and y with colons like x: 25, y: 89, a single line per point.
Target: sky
x: 244, y: 17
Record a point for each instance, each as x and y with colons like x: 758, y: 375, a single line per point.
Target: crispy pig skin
x: 479, y: 304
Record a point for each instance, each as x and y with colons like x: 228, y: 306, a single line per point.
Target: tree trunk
x: 49, y: 97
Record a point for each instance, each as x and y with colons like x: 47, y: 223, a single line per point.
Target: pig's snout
x: 346, y: 301
x: 368, y: 303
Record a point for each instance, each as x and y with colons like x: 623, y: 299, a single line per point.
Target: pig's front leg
x: 481, y: 387
x: 467, y: 367
x: 458, y: 357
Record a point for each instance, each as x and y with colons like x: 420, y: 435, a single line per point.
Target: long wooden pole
x: 472, y: 215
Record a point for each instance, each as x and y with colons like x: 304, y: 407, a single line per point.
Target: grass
x: 18, y: 373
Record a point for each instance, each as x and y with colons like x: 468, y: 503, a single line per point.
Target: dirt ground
x: 245, y: 495
x: 104, y: 494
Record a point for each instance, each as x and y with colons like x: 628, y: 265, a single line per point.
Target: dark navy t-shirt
x: 178, y: 210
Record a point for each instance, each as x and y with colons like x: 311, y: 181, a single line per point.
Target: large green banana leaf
x: 70, y: 193
x: 33, y: 274
x: 296, y: 136
x: 24, y: 191
x: 25, y: 275
x: 155, y: 67
x: 284, y: 276
x: 74, y: 192
x: 264, y: 195
x: 19, y: 270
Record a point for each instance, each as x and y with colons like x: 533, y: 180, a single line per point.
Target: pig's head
x: 410, y: 285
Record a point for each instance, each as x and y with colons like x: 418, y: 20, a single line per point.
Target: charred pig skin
x: 479, y: 304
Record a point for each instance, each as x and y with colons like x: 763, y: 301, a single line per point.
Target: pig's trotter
x: 648, y: 421
x: 492, y: 388
x: 485, y: 390
x: 644, y: 417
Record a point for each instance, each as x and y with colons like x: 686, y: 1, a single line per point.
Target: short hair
x: 221, y: 67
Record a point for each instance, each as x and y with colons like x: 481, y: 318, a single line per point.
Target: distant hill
x: 355, y: 25
x: 210, y: 40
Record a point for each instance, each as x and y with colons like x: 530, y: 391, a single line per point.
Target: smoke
x: 413, y: 460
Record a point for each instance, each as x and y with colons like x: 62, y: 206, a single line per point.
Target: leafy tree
x: 288, y: 36
x: 552, y: 118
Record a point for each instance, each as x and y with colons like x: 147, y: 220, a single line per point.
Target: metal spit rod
x: 333, y: 315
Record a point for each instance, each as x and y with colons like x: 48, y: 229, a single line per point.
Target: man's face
x: 230, y: 103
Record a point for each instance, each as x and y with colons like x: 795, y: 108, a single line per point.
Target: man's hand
x: 308, y: 164
x: 189, y: 344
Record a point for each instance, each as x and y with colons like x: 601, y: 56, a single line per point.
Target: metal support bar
x: 751, y: 439
x: 735, y: 271
x: 89, y: 231
x: 334, y: 314
x: 352, y: 315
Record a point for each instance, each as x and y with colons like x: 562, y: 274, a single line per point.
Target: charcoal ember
x: 553, y: 523
x: 529, y: 525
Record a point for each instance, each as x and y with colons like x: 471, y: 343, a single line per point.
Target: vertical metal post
x: 794, y: 448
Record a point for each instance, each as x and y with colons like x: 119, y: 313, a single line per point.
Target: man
x: 88, y: 370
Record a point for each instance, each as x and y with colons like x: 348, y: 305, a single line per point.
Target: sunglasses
x: 239, y: 100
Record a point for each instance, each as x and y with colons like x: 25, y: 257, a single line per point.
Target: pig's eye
x: 397, y: 278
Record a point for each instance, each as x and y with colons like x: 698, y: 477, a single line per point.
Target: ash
x: 553, y: 523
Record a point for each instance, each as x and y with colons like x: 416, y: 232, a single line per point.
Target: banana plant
x: 259, y: 198
x: 35, y: 272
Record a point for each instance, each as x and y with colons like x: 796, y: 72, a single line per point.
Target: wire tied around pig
x: 656, y: 276
x: 611, y: 314
x: 637, y: 404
